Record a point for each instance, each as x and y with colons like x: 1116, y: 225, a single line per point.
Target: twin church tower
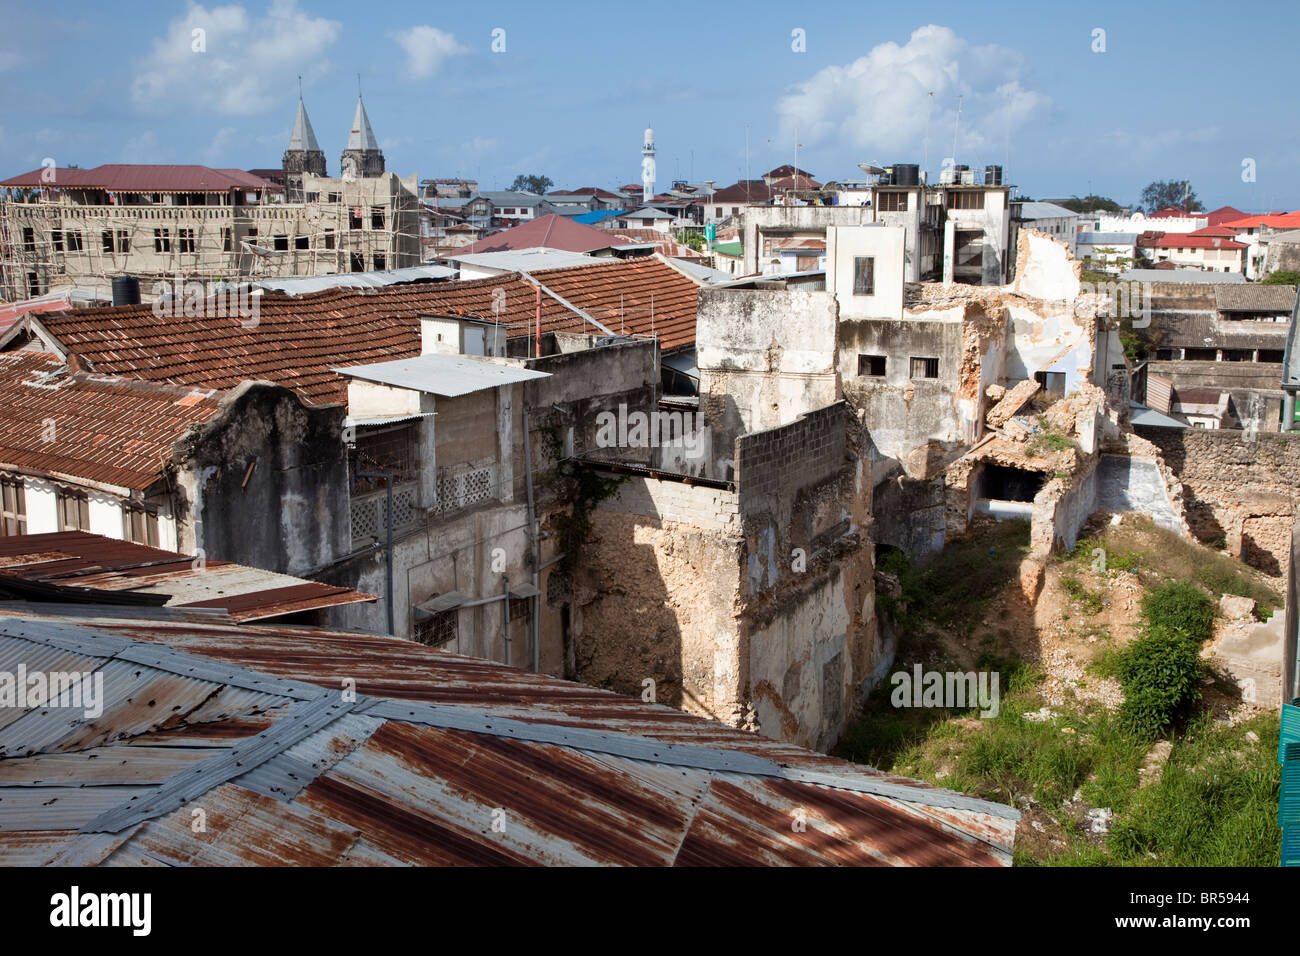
x: 361, y: 159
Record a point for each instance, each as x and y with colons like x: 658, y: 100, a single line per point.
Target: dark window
x: 106, y: 237
x: 73, y: 239
x: 74, y: 511
x: 13, y: 507
x: 186, y: 239
x: 329, y: 238
x: 281, y: 243
x: 226, y: 239
x: 335, y: 197
x: 871, y: 365
x: 56, y: 237
x: 313, y: 197
x: 140, y: 526
x: 1270, y: 355
x: 354, y: 220
x: 29, y: 239
x: 925, y: 367
x: 438, y: 630
x: 1200, y: 355
x: 864, y: 275
x: 300, y: 242
x: 380, y: 261
x: 358, y: 262
x: 33, y: 283
x: 377, y: 217
x: 162, y: 240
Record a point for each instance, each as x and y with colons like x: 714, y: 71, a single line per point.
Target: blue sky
x: 1181, y: 90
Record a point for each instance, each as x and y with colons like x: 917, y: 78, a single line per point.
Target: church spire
x: 303, y: 155
x: 362, y: 157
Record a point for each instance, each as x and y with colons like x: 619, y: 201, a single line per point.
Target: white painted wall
x: 42, y: 506
x: 887, y: 245
x: 105, y: 516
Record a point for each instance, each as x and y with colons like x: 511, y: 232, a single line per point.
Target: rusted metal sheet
x: 93, y: 563
x: 440, y: 760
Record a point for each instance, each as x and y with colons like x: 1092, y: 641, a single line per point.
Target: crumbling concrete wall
x: 765, y: 358
x: 1239, y: 489
x: 753, y: 606
x: 264, y: 482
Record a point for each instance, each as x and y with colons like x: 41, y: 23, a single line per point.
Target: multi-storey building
x: 81, y: 227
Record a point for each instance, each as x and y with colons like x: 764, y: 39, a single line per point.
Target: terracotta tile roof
x: 109, y: 431
x: 637, y: 296
x: 1223, y: 214
x: 299, y: 339
x: 553, y: 232
x: 1176, y: 240
x: 745, y: 191
x: 1283, y: 220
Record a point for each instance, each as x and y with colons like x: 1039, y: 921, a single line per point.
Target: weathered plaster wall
x: 265, y: 482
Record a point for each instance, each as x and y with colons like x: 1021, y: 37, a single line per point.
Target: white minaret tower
x: 648, y: 167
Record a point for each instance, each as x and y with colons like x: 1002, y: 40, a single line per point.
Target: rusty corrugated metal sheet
x: 381, y: 788
x: 78, y: 559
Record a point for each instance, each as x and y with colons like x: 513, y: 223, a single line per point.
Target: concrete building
x: 1049, y: 219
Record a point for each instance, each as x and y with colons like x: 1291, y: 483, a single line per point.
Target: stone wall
x: 753, y: 606
x: 1242, y: 492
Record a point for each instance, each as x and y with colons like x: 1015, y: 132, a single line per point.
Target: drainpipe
x: 388, y: 528
x: 1288, y: 411
x: 505, y: 616
x: 534, y: 625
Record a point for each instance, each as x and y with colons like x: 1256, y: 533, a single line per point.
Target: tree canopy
x: 531, y: 184
x: 1091, y: 203
x: 1164, y: 195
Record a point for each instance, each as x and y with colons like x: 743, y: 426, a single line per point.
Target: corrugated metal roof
x: 445, y: 375
x: 526, y: 260
x: 436, y: 780
x: 81, y: 562
x: 356, y: 280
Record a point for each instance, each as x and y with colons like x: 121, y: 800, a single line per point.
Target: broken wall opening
x: 1004, y: 483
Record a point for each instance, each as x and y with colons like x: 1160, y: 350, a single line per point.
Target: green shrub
x: 1161, y: 676
x: 1179, y: 606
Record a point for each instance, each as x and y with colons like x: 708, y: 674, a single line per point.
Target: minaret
x: 648, y: 167
x: 303, y: 155
x: 362, y: 158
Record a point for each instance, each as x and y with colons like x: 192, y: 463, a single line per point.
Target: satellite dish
x: 871, y: 168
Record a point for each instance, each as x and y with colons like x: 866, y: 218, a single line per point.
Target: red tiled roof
x: 81, y: 426
x: 1223, y: 214
x: 1173, y: 212
x: 1174, y: 240
x: 745, y: 191
x: 119, y: 177
x: 662, y: 241
x: 299, y: 339
x: 552, y: 232
x: 636, y: 296
x: 786, y: 170
x: 1282, y: 220
x: 1220, y: 231
x: 793, y: 182
x: 585, y: 191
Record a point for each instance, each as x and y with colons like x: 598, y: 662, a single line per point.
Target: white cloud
x: 1151, y: 144
x: 426, y: 48
x: 248, y: 64
x: 881, y: 102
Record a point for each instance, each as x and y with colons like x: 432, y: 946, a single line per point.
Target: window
x: 13, y: 507
x: 73, y: 239
x: 162, y: 240
x: 358, y: 262
x: 186, y: 239
x: 354, y: 220
x: 226, y: 239
x: 717, y: 213
x: 74, y: 511
x: 390, y: 450
x: 313, y: 197
x: 281, y: 243
x: 892, y: 202
x: 735, y: 210
x: 140, y: 526
x: 33, y: 283
x: 29, y: 239
x: 376, y: 217
x: 873, y: 365
x: 437, y: 631
x: 106, y: 238
x: 56, y: 237
x: 380, y: 261
x: 925, y: 367
x: 864, y: 275
x: 252, y: 236
x: 300, y: 242
x: 329, y: 238
x: 335, y: 197
x: 974, y: 199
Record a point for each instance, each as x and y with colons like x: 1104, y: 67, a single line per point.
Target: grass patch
x: 1089, y: 601
x: 954, y: 587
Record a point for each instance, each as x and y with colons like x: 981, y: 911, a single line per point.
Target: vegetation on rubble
x: 1159, y: 779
